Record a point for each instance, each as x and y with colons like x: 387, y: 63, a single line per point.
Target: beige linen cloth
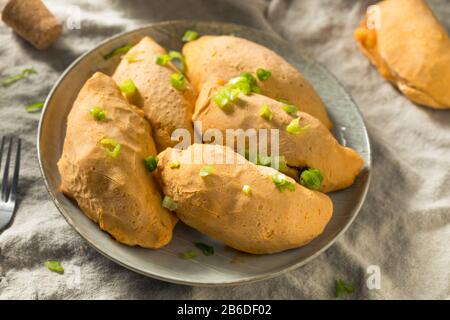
x: 403, y: 227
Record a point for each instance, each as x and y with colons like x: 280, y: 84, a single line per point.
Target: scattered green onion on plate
x: 189, y: 35
x: 16, y: 77
x: 118, y: 51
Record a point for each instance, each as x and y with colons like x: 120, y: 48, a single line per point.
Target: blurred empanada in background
x: 410, y: 48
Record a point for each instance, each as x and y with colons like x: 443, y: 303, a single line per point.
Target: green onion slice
x: 174, y: 164
x: 151, y: 163
x: 225, y: 96
x: 134, y: 56
x: 289, y: 108
x: 112, y: 147
x: 206, y: 171
x: 98, y: 113
x: 241, y: 83
x: 175, y: 55
x: 282, y: 183
x: 161, y: 59
x: 119, y: 50
x: 16, y: 77
x: 245, y: 84
x: 246, y: 189
x: 206, y: 249
x: 343, y: 288
x: 188, y: 255
x: 128, y: 87
x: 178, y: 81
x: 189, y: 35
x: 311, y: 178
x: 294, y: 127
x: 265, y: 112
x: 263, y: 74
x: 35, y: 107
x: 169, y: 204
x: 54, y: 265
x: 250, y: 78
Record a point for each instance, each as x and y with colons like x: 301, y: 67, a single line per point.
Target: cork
x: 32, y: 21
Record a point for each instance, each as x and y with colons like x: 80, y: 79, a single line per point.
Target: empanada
x: 259, y: 218
x: 314, y: 147
x: 165, y: 107
x: 113, y: 188
x: 219, y: 58
x: 410, y: 48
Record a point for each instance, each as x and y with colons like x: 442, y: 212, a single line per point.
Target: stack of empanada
x: 234, y: 84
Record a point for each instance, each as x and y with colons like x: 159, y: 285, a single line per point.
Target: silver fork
x: 8, y: 192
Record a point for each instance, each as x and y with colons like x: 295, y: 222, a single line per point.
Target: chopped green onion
x: 35, y: 107
x: 133, y: 56
x: 16, y: 77
x: 161, y: 59
x: 225, y: 96
x: 256, y: 89
x: 241, y: 83
x: 311, y: 178
x: 289, y: 108
x: 250, y: 78
x: 188, y: 255
x: 206, y: 249
x: 98, y: 113
x: 206, y: 171
x: 174, y: 165
x: 175, y: 55
x: 189, y: 35
x: 294, y: 127
x: 119, y: 50
x: 169, y: 204
x: 252, y: 81
x: 343, y: 288
x: 265, y: 112
x: 245, y: 84
x: 282, y: 183
x: 263, y: 74
x: 112, y: 147
x: 151, y: 163
x: 246, y: 189
x: 128, y: 87
x: 178, y: 81
x: 55, y: 266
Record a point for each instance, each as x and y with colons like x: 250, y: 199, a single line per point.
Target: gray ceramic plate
x: 227, y: 266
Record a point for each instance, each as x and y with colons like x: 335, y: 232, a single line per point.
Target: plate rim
x: 246, y: 280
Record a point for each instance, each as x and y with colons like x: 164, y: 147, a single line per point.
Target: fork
x: 8, y: 192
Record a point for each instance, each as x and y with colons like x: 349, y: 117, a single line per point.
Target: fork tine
x: 1, y: 151
x: 4, y: 185
x: 15, y: 181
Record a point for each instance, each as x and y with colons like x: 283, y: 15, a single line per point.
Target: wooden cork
x: 32, y: 21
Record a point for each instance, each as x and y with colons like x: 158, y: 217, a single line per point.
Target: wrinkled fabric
x: 404, y: 224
